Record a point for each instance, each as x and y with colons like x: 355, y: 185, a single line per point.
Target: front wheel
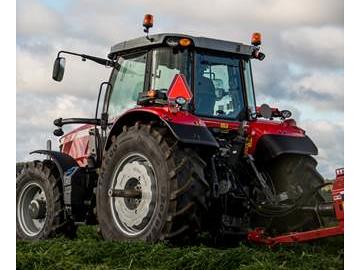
x: 168, y: 183
x: 39, y: 206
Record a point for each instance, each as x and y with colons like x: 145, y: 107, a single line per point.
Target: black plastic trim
x: 198, y: 42
x: 62, y: 161
x: 271, y: 146
x: 192, y: 134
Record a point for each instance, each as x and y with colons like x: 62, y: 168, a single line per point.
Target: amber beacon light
x: 256, y: 39
x: 148, y: 22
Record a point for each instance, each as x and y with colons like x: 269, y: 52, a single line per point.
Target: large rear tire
x: 296, y: 175
x: 171, y: 181
x: 39, y: 205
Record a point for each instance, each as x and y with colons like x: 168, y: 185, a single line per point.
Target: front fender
x: 186, y: 127
x: 62, y: 161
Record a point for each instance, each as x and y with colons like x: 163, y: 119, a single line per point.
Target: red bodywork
x: 76, y: 143
x: 257, y: 128
x: 258, y: 235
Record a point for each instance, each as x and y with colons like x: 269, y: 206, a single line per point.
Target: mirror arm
x: 101, y: 61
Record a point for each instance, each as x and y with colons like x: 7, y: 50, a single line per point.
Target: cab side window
x: 218, y: 88
x: 129, y: 81
x: 166, y: 63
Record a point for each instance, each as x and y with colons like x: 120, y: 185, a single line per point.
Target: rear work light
x: 151, y: 94
x: 184, y: 42
x: 181, y: 101
x: 175, y: 41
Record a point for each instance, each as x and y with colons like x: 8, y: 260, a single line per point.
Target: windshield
x: 127, y: 83
x: 218, y: 88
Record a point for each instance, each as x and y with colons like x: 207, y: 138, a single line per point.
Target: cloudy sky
x: 303, y: 70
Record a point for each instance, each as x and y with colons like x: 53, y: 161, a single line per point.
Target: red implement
x: 258, y: 235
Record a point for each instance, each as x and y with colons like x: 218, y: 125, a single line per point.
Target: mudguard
x: 192, y: 134
x: 185, y: 127
x: 62, y: 161
x: 271, y: 146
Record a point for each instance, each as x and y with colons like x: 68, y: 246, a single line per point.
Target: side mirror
x: 59, y: 68
x: 285, y: 114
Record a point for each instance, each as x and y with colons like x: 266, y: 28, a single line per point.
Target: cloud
x: 315, y: 46
x: 278, y: 13
x: 325, y: 91
x: 35, y: 115
x: 322, y: 89
x: 329, y: 138
x: 303, y: 70
x: 34, y: 71
x: 34, y: 19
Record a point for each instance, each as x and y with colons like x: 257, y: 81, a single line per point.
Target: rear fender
x: 270, y: 146
x: 185, y: 127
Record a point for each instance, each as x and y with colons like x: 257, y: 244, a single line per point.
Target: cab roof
x: 198, y: 42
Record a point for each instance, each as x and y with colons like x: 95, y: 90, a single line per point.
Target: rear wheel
x: 295, y: 176
x: 168, y: 179
x: 39, y: 206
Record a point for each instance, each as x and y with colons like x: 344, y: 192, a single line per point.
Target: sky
x: 303, y: 70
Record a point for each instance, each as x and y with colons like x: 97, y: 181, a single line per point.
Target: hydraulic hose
x: 276, y: 211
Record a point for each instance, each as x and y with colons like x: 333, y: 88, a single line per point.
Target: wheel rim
x: 31, y: 209
x: 133, y: 215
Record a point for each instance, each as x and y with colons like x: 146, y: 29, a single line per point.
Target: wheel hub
x: 37, y: 209
x: 132, y: 214
x: 31, y: 209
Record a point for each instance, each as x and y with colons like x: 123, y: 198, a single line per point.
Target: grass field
x: 88, y: 251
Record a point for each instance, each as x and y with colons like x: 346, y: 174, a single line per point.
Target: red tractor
x: 178, y: 148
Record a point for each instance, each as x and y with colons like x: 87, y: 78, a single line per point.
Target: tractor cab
x: 217, y: 73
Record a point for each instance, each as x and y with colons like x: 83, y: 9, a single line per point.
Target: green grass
x: 88, y: 251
